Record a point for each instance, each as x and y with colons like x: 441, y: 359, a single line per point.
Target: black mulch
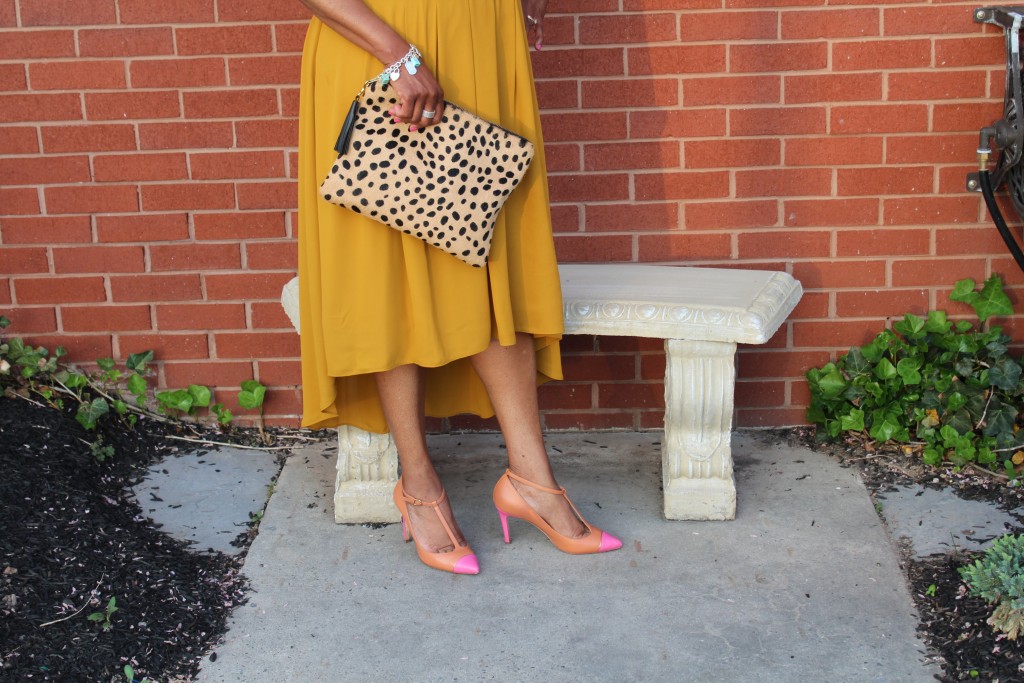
x: 953, y: 624
x: 70, y: 539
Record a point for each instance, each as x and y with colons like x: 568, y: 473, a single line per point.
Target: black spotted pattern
x: 444, y: 185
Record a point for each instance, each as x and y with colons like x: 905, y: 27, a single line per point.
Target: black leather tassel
x: 341, y: 146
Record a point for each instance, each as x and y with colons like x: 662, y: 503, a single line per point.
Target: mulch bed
x: 71, y: 539
x: 953, y: 624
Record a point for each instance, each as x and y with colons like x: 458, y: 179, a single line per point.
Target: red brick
x: 17, y: 260
x: 963, y: 116
x: 881, y: 302
x: 925, y: 272
x: 587, y: 126
x: 771, y: 57
x: 44, y: 170
x: 803, y: 244
x: 818, y: 23
x: 679, y: 123
x: 177, y: 72
x: 931, y: 149
x: 134, y: 104
x: 872, y: 55
x: 562, y: 157
x: 289, y: 102
x: 835, y: 333
x: 565, y: 218
x: 883, y: 242
x: 223, y: 165
x: 159, y: 12
x: 782, y: 417
x: 248, y: 225
x: 271, y: 70
x: 731, y: 154
x: 909, y: 21
x: 105, y: 318
x: 594, y: 248
x: 731, y: 214
x: 26, y: 44
x: 683, y: 246
x: 629, y: 344
x: 59, y: 290
x: 98, y: 259
x: 19, y: 201
x: 289, y: 37
x: 812, y: 305
x: 46, y: 230
x: 633, y: 93
x: 67, y: 12
x: 777, y: 121
x: 219, y: 374
x: 245, y: 286
x: 939, y: 85
x: 971, y: 240
x: 823, y: 213
x: 590, y: 421
x: 627, y: 28
x: 756, y: 363
x: 40, y: 107
x: 964, y: 51
x: 164, y: 345
x: 562, y: 396
x: 589, y: 187
x: 77, y: 75
x: 18, y: 140
x: 728, y: 26
x: 630, y: 155
x: 840, y: 273
x: 150, y: 227
x: 216, y: 104
x: 675, y: 59
x: 5, y: 291
x: 271, y: 255
x: 188, y: 196
x: 631, y: 395
x: 283, y: 133
x: 559, y: 31
x: 561, y: 94
x: 123, y: 167
x: 211, y: 134
x: 632, y: 216
x: 287, y: 402
x: 148, y: 287
x: 257, y: 345
x: 100, y: 137
x: 31, y: 320
x: 591, y: 368
x: 8, y: 13
x: 833, y: 88
x: 126, y: 42
x: 929, y: 210
x: 764, y: 89
x: 578, y: 63
x: 270, y: 315
x: 879, y: 118
x: 759, y: 394
x: 200, y: 316
x: 260, y: 10
x: 92, y: 199
x: 834, y: 151
x: 267, y: 195
x: 783, y: 182
x: 652, y: 366
x: 12, y: 77
x: 682, y: 185
x: 883, y: 180
x: 222, y: 40
x: 204, y: 257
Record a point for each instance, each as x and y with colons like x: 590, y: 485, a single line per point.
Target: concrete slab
x: 205, y: 497
x: 803, y: 585
x: 938, y: 521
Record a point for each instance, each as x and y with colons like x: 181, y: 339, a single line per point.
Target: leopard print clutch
x: 444, y: 184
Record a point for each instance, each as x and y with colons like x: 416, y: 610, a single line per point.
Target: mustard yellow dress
x: 372, y: 298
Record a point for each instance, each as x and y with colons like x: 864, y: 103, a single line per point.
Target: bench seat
x: 701, y: 313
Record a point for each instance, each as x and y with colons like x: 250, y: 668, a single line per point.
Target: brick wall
x: 147, y: 184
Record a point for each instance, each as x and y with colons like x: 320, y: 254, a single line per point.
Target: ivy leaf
x: 137, y: 361
x: 200, y: 395
x: 955, y: 401
x: 89, y: 413
x: 853, y: 422
x: 964, y: 366
x: 993, y: 300
x: 884, y: 425
x: 960, y: 421
x: 253, y: 392
x: 106, y: 364
x: 911, y: 325
x: 963, y: 290
x: 1004, y: 373
x: 885, y: 369
x: 856, y: 363
x: 937, y: 323
x: 137, y: 385
x: 908, y: 370
x: 178, y: 400
x: 999, y: 419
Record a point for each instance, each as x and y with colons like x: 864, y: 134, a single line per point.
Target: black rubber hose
x: 997, y: 218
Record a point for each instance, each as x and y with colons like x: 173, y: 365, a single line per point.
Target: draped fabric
x: 372, y: 299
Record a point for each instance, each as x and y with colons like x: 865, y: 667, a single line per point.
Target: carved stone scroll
x: 367, y: 474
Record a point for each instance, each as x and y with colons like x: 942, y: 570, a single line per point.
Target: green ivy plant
x: 948, y: 389
x: 104, y: 618
x: 998, y: 578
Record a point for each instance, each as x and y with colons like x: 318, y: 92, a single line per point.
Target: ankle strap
x: 545, y: 489
x: 416, y: 501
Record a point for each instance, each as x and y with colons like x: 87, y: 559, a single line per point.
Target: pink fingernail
x: 413, y: 129
x: 394, y: 120
x: 538, y: 46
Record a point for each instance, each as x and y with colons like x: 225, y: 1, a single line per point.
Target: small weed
x: 998, y: 578
x: 103, y: 618
x: 931, y: 590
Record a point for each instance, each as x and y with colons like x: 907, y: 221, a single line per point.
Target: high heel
x: 510, y: 503
x: 461, y: 560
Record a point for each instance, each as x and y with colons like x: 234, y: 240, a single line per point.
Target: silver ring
x: 428, y: 114
x: 533, y: 22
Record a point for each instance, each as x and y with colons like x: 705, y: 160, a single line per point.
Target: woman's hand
x: 533, y: 12
x: 418, y: 95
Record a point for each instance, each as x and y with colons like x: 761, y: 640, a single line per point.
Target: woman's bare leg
x: 510, y: 375
x: 401, y: 396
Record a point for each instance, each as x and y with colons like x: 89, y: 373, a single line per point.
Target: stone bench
x: 701, y: 313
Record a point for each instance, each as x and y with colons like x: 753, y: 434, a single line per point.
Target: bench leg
x: 696, y: 455
x: 367, y: 474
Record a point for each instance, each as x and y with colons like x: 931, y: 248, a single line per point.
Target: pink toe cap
x: 609, y: 542
x: 469, y: 565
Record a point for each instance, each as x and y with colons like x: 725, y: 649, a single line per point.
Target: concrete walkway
x: 803, y: 586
